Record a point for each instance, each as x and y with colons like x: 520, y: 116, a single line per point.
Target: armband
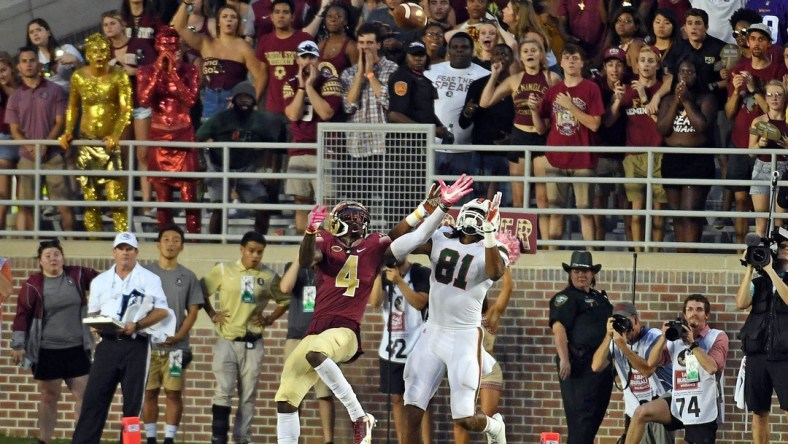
x: 694, y: 345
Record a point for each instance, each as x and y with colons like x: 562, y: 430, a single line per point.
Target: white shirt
x: 452, y: 85
x: 720, y: 12
x: 458, y: 282
x: 112, y: 296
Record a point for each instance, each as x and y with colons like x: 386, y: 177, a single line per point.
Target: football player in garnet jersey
x: 466, y: 260
x: 347, y: 261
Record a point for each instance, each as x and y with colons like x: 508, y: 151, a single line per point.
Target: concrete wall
x: 531, y: 401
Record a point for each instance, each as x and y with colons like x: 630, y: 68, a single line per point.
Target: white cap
x: 126, y: 238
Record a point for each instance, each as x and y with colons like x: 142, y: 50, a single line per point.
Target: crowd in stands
x: 685, y: 73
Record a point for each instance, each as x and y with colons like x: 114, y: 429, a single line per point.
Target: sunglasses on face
x: 740, y: 33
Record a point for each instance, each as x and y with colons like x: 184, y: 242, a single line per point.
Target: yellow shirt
x: 243, y: 292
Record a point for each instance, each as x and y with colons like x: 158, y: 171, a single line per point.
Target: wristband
x: 310, y: 232
x: 694, y: 345
x: 489, y: 235
x: 417, y: 215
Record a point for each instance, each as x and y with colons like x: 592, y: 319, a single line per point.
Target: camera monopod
x: 773, y: 200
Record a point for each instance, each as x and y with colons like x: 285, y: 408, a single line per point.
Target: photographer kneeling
x: 628, y: 343
x: 698, y: 355
x: 764, y: 339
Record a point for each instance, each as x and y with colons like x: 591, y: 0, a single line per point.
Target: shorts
x: 694, y: 434
x: 321, y: 389
x: 9, y: 152
x: 141, y: 113
x: 636, y: 166
x: 739, y: 167
x: 214, y: 101
x: 494, y: 379
x: 442, y: 351
x: 57, y: 185
x: 687, y: 166
x: 761, y: 378
x: 338, y: 344
x: 763, y: 171
x: 159, y: 373
x: 558, y: 193
x: 608, y: 167
x: 249, y: 190
x: 520, y: 137
x: 64, y: 363
x: 306, y: 164
x: 397, y: 379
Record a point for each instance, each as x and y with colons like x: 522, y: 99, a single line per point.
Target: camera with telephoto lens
x: 676, y: 330
x: 622, y: 324
x: 759, y: 250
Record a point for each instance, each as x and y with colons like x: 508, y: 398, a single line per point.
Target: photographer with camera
x: 764, y: 346
x: 578, y: 315
x: 628, y: 344
x: 697, y: 353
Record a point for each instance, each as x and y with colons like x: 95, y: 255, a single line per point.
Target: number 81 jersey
x: 346, y: 274
x: 459, y: 281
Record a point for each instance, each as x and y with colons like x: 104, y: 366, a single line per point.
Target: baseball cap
x: 126, y: 238
x: 244, y: 88
x: 762, y: 28
x: 615, y: 53
x: 416, y: 47
x: 625, y: 309
x: 307, y: 47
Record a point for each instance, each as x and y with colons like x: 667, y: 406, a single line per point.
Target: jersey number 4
x: 447, y: 264
x: 692, y: 406
x: 347, y: 277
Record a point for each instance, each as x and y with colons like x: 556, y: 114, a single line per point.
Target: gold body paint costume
x: 104, y: 95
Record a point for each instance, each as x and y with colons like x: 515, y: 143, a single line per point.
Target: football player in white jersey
x: 466, y: 259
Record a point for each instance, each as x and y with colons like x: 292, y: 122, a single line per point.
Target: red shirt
x: 346, y: 274
x: 305, y: 129
x: 748, y: 108
x: 565, y: 130
x: 279, y: 56
x: 641, y: 128
x: 530, y: 84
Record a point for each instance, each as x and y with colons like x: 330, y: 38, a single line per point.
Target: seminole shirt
x: 452, y: 85
x: 183, y: 290
x: 565, y: 129
x: 305, y: 128
x: 243, y: 292
x: 279, y: 56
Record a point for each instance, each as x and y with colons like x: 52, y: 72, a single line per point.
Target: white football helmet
x: 472, y: 215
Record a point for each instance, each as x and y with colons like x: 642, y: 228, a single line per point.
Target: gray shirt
x: 62, y: 313
x: 182, y: 289
x: 301, y: 309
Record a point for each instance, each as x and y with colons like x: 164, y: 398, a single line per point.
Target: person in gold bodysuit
x: 104, y: 93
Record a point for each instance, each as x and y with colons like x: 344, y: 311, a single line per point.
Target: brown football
x: 410, y: 16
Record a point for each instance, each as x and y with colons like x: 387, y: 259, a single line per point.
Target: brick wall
x: 531, y: 400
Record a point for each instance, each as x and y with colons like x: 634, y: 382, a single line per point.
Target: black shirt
x: 489, y: 124
x: 583, y: 315
x: 413, y: 95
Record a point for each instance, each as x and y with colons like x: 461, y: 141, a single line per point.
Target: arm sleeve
x: 404, y: 244
x: 398, y: 87
x: 719, y: 351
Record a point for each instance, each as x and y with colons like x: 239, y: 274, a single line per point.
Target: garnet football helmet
x: 349, y: 217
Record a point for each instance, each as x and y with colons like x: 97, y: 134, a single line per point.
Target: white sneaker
x: 362, y: 429
x: 500, y: 437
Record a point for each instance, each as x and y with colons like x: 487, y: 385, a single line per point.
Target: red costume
x: 169, y: 87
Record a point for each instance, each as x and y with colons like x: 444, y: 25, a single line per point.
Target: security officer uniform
x: 585, y: 394
x: 764, y: 338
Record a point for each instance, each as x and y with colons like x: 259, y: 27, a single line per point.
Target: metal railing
x: 330, y: 167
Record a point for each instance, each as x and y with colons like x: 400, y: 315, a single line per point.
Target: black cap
x: 416, y: 47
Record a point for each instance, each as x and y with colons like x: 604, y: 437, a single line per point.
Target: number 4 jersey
x: 346, y: 274
x: 459, y: 281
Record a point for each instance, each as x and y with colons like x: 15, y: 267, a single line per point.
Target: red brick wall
x: 531, y: 402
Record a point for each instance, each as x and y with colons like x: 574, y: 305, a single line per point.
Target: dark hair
x: 172, y: 227
x: 698, y: 298
x: 462, y: 35
x: 640, y: 31
x: 697, y: 12
x: 701, y: 81
x: 287, y: 2
x: 675, y: 33
x: 750, y: 16
x: 350, y: 20
x: 27, y: 48
x: 51, y: 42
x: 571, y: 48
x: 253, y: 236
x: 369, y: 28
x: 125, y: 9
x: 504, y: 46
x: 50, y: 243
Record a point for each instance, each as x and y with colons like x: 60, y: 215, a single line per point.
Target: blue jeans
x: 213, y: 101
x: 489, y: 164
